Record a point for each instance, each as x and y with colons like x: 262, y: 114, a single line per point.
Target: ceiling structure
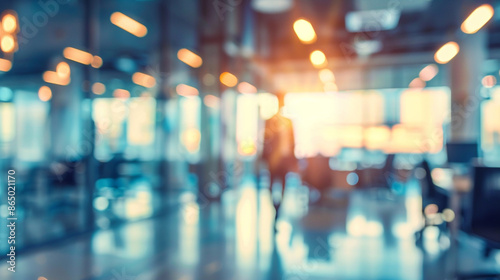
x: 422, y: 26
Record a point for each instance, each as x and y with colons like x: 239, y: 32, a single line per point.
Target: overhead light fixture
x: 446, y: 53
x: 428, y: 72
x: 272, y: 6
x: 304, y: 31
x: 372, y: 20
x: 128, y: 24
x: 489, y: 81
x: 121, y: 93
x: 228, y: 79
x: 246, y: 88
x: 190, y: 58
x: 77, y: 55
x: 5, y: 65
x: 54, y: 78
x: 63, y: 70
x: 96, y: 61
x: 9, y: 22
x: 417, y: 83
x: 326, y: 75
x: 186, y: 91
x: 318, y: 58
x: 98, y: 88
x: 45, y: 93
x: 211, y: 101
x: 8, y: 43
x: 143, y: 79
x: 477, y: 19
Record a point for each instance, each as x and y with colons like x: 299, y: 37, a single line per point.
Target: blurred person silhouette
x: 278, y: 151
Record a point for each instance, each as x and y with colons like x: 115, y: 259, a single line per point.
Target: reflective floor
x: 342, y: 236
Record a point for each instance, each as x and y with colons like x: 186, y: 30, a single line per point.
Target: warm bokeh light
x: 477, y: 19
x: 211, y: 101
x: 78, y: 55
x: 128, y: 24
x: 318, y: 58
x: 54, y: 78
x: 330, y: 87
x: 190, y: 58
x: 98, y: 88
x: 304, y: 31
x: 447, y: 52
x: 428, y: 72
x: 448, y: 215
x: 45, y: 93
x: 5, y: 65
x: 63, y: 69
x: 8, y: 44
x: 9, y: 23
x: 143, y: 79
x: 417, y: 83
x: 377, y: 137
x: 96, y: 61
x: 185, y: 90
x: 121, y: 93
x: 191, y: 139
x: 489, y: 81
x: 245, y: 87
x: 268, y: 105
x: 247, y: 147
x: 228, y: 79
x: 326, y: 75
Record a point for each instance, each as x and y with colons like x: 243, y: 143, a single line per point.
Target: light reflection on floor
x: 366, y: 235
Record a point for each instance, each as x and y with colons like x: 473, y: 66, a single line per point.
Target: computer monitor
x: 461, y: 152
x: 482, y: 217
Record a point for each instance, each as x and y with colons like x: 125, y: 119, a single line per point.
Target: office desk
x: 455, y: 186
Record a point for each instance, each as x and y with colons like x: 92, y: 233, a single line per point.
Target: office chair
x: 482, y: 220
x: 432, y: 196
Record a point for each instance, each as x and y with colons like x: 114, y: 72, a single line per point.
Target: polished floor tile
x: 351, y: 235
